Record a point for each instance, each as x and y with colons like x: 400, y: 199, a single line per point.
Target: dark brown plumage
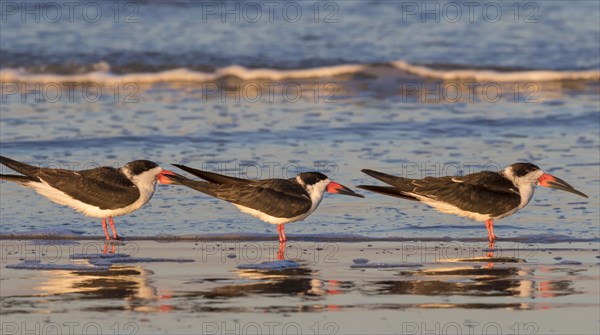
x: 282, y: 198
x: 103, y: 187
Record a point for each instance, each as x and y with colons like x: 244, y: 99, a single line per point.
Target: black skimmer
x: 482, y: 196
x: 275, y: 201
x: 102, y: 192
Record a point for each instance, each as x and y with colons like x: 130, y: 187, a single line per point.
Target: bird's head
x: 522, y: 174
x: 318, y: 183
x: 146, y: 172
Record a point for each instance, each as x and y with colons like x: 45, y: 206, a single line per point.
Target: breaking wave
x: 101, y: 73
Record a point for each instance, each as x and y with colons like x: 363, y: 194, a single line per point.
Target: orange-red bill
x: 548, y: 180
x: 336, y: 188
x: 163, y: 179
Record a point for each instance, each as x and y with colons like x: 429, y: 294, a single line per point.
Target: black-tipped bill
x: 548, y: 180
x: 174, y: 178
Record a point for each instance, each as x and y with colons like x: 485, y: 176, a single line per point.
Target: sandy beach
x: 225, y: 287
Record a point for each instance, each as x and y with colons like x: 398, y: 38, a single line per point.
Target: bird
x: 103, y: 192
x: 275, y: 201
x: 481, y: 196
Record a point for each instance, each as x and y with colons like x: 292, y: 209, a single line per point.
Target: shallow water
x: 181, y: 123
x: 433, y: 285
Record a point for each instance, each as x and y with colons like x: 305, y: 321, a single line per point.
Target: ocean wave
x: 102, y: 74
x: 179, y: 75
x: 497, y: 76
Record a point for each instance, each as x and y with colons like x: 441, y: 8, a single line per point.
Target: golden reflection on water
x: 129, y: 284
x: 308, y: 287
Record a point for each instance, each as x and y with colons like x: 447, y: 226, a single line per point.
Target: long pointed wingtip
x: 185, y: 168
x: 368, y: 172
x: 373, y: 173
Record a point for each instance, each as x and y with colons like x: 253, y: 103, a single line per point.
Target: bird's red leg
x: 281, y: 252
x: 104, y: 227
x: 489, y: 224
x: 112, y: 226
x: 281, y: 231
x: 492, y: 229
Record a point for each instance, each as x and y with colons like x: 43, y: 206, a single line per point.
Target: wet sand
x: 232, y: 287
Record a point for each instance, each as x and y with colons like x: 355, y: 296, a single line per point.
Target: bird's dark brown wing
x: 276, y: 197
x: 483, y: 192
x: 104, y: 187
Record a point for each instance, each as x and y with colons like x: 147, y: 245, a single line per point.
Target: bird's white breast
x: 316, y: 196
x: 526, y: 193
x: 269, y: 218
x: 450, y: 209
x: 62, y: 198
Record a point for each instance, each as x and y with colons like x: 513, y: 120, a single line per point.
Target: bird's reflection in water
x: 453, y: 281
x: 294, y: 281
x: 109, y: 248
x: 299, y: 282
x: 472, y: 281
x: 281, y: 251
x: 129, y: 285
x: 490, y: 253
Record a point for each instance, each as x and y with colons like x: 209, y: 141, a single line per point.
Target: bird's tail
x: 17, y: 179
x: 387, y: 190
x: 201, y: 186
x: 23, y: 168
x: 211, y: 177
x: 401, y: 183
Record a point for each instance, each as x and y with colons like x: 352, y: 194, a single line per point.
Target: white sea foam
x: 127, y: 260
x: 383, y: 265
x: 37, y: 265
x: 495, y: 76
x: 93, y: 262
x: 177, y: 75
x: 270, y: 265
x: 49, y: 233
x: 103, y: 75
